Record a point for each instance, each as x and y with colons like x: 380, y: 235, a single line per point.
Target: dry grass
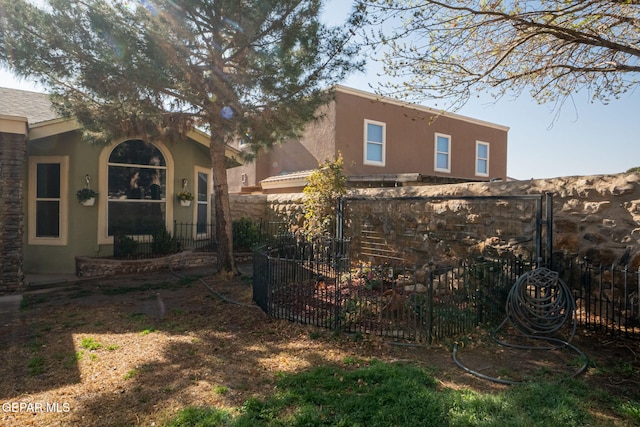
x: 135, y: 350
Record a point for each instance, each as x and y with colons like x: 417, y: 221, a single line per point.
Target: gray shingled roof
x: 36, y: 107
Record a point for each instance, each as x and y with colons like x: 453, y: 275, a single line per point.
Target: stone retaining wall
x: 597, y: 216
x: 100, y: 267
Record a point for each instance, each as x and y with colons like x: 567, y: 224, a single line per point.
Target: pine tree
x: 251, y: 69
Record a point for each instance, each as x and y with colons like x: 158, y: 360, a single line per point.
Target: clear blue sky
x: 586, y: 139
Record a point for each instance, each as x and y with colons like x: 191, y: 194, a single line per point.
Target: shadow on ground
x: 134, y: 350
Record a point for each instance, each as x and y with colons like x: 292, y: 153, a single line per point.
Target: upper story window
x: 374, y: 143
x: 482, y: 158
x: 137, y: 184
x: 442, y: 153
x: 48, y: 200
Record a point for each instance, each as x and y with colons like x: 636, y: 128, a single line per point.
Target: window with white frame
x: 374, y: 143
x: 442, y: 153
x: 48, y: 190
x: 482, y: 158
x: 137, y: 182
x: 202, y: 202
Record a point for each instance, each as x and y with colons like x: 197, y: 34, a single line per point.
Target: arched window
x: 137, y: 188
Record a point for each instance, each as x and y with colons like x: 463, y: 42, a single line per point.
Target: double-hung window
x: 442, y: 153
x: 48, y: 200
x: 482, y: 158
x: 374, y: 143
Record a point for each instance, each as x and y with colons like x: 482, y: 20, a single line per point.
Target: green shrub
x: 163, y: 242
x: 325, y: 186
x: 246, y: 234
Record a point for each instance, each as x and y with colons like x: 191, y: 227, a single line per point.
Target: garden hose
x: 539, y: 304
x: 216, y: 293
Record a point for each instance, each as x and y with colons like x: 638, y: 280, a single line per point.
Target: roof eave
x: 393, y: 101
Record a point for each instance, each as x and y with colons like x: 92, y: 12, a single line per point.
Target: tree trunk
x: 221, y: 212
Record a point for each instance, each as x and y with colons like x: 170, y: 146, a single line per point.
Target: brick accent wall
x: 13, y: 150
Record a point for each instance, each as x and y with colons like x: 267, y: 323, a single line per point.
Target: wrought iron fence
x: 247, y: 233
x: 200, y: 237
x: 292, y: 279
x: 316, y: 284
x: 159, y: 242
x: 607, y: 297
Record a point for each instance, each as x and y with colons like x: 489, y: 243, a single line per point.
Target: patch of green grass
x: 123, y: 290
x: 90, y: 344
x: 221, y: 390
x: 93, y: 357
x: 74, y: 359
x: 34, y: 344
x: 35, y: 366
x: 384, y: 394
x: 630, y: 409
x: 200, y: 416
x: 351, y: 361
x: 138, y: 317
x: 148, y: 331
x: 81, y: 293
x: 112, y: 347
x: 189, y: 280
x: 130, y: 374
x: 28, y: 301
x: 315, y: 335
x: 175, y: 327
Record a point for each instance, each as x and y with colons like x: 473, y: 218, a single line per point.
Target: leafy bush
x: 325, y: 186
x: 163, y: 242
x: 246, y: 234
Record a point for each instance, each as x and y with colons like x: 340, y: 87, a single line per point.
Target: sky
x: 585, y: 139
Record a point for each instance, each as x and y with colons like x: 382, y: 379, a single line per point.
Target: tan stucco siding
x: 410, y: 136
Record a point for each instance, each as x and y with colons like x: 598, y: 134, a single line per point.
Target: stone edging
x: 87, y: 267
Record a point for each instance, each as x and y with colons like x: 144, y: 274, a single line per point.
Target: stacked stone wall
x: 12, y: 165
x: 597, y: 217
x: 88, y: 267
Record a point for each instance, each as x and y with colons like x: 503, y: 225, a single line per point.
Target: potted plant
x: 86, y: 196
x: 185, y: 197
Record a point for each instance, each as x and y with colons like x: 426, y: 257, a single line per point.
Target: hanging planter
x: 86, y: 197
x: 89, y: 202
x: 185, y: 198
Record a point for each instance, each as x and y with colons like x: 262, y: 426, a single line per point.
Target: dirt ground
x: 134, y: 350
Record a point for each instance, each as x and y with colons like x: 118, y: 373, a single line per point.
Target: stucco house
x: 384, y: 142
x: 43, y: 163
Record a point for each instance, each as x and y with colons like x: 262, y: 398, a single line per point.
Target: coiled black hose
x: 539, y: 304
